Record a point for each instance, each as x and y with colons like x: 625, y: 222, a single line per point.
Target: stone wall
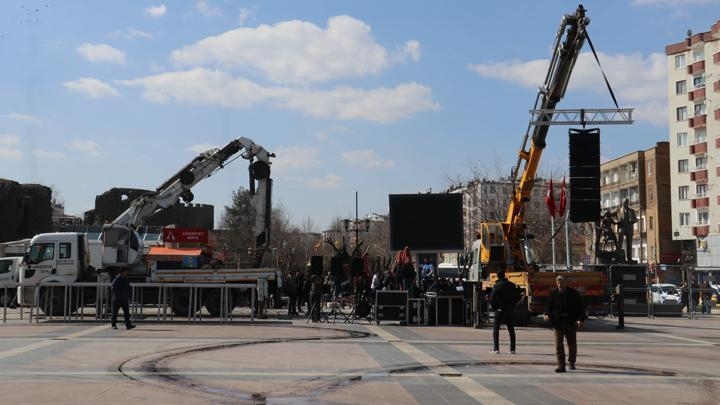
x: 25, y: 210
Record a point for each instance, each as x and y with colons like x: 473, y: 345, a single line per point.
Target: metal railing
x: 74, y: 300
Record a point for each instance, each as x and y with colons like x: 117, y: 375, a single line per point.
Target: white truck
x: 71, y: 257
x: 10, y: 270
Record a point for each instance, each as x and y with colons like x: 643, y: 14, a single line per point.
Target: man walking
x: 566, y: 311
x: 120, y: 296
x: 503, y: 298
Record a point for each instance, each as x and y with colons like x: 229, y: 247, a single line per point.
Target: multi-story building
x: 695, y: 168
x: 642, y: 177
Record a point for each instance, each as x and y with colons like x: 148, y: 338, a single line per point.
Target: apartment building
x: 693, y: 120
x: 643, y: 178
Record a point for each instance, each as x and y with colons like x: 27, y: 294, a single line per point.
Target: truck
x: 10, y: 269
x: 64, y: 257
x: 507, y: 244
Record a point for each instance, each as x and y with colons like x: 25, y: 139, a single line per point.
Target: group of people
x: 564, y: 310
x: 703, y: 291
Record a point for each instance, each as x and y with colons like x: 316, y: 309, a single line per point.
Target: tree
x: 238, y: 225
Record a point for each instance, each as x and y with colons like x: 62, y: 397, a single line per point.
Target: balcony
x: 697, y: 121
x: 697, y: 67
x: 701, y: 230
x: 699, y: 176
x: 702, y: 202
x: 700, y: 147
x: 695, y: 95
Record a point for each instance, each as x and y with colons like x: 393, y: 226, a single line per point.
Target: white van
x: 665, y: 294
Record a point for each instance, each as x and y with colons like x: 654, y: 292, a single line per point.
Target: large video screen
x: 426, y: 222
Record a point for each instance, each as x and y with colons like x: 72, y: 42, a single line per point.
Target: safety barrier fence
x: 76, y: 297
x: 647, y: 301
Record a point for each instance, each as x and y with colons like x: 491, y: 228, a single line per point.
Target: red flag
x: 550, y: 199
x: 563, y: 198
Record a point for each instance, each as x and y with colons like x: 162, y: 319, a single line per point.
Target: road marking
x: 50, y: 341
x: 467, y: 385
x: 686, y: 339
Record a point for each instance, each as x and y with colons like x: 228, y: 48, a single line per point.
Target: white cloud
x: 101, y: 53
x: 329, y: 181
x: 206, y: 87
x: 204, y: 7
x: 298, y: 51
x: 328, y: 134
x: 156, y: 11
x: 290, y: 158
x: 243, y: 15
x: 366, y: 158
x: 130, y: 33
x: 201, y: 147
x: 92, y: 88
x: 23, y: 117
x: 10, y: 154
x: 9, y: 140
x: 88, y: 147
x: 48, y: 154
x: 635, y: 79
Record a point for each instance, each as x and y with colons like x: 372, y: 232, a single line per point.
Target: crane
x: 121, y: 242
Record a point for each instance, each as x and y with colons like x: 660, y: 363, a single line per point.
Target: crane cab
x: 121, y: 246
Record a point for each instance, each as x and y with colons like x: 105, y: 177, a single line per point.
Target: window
x: 680, y: 87
x: 701, y: 190
x: 650, y: 168
x: 684, y: 219
x: 64, y: 252
x: 682, y: 166
x: 5, y: 266
x: 41, y: 252
x: 698, y: 55
x: 681, y: 114
x: 680, y: 61
x: 700, y: 134
x: 632, y: 170
x: 651, y: 194
x: 682, y: 139
x: 699, y: 109
x: 683, y: 192
x: 699, y: 81
x: 702, y: 218
x: 701, y: 163
x: 651, y: 223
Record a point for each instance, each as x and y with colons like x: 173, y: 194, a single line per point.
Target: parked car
x: 665, y: 294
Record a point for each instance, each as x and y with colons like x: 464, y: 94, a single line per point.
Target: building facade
x: 693, y: 121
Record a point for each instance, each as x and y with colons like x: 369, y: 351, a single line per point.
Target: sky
x: 374, y: 97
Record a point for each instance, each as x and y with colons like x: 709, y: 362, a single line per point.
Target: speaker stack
x: 584, y: 175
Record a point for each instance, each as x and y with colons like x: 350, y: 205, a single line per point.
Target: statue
x: 626, y: 221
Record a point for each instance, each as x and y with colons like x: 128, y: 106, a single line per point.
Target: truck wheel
x: 180, y: 302
x: 58, y: 302
x: 213, y: 303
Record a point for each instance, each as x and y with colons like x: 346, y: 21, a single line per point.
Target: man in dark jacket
x: 120, y: 296
x: 503, y: 298
x: 566, y: 311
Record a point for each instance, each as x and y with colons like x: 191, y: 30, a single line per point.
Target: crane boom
x: 569, y: 41
x: 121, y: 243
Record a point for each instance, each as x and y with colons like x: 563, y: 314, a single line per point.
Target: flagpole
x: 567, y: 242
x: 552, y: 227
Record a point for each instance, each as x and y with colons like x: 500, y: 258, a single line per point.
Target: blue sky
x: 379, y: 97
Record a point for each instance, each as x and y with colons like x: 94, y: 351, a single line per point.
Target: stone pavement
x: 661, y: 360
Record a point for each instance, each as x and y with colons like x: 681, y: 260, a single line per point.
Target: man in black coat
x: 566, y: 311
x: 503, y: 299
x: 120, y: 297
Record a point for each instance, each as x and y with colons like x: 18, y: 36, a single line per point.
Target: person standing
x: 291, y: 291
x: 566, y: 311
x: 626, y: 223
x: 316, y: 291
x: 428, y: 272
x: 503, y: 298
x: 120, y: 297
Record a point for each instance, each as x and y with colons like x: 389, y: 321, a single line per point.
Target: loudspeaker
x: 336, y: 266
x: 357, y: 266
x: 584, y: 145
x: 316, y: 265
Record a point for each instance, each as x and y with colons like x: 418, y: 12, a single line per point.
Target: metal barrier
x: 75, y: 298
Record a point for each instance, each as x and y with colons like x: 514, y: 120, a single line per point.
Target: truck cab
x: 10, y: 270
x: 59, y: 257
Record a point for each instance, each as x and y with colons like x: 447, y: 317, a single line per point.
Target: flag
x: 563, y: 199
x: 550, y: 199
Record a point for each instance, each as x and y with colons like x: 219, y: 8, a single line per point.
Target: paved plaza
x: 284, y: 361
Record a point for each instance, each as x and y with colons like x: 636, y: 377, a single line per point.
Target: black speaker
x: 357, y: 267
x: 584, y: 159
x: 336, y: 266
x: 316, y: 265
